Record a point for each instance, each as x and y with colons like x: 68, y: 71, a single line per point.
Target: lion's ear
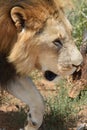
x: 19, y: 17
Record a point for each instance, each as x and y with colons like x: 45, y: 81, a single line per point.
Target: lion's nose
x: 76, y: 58
x: 77, y: 62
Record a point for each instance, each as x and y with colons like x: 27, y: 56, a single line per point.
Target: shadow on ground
x: 12, y: 120
x: 58, y: 122
x: 15, y: 120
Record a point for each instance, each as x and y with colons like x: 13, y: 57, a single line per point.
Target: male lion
x: 34, y: 34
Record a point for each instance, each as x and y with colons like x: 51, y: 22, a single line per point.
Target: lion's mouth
x: 49, y: 75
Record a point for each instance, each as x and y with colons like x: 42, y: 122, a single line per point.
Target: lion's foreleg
x: 24, y: 89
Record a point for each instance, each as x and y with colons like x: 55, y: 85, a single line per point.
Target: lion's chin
x: 49, y: 75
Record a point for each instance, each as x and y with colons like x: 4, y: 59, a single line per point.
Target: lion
x: 35, y: 34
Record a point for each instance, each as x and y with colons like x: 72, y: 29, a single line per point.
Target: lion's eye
x: 39, y: 31
x: 58, y: 43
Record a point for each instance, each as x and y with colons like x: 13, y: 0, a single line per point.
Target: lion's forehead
x: 40, y: 11
x: 54, y: 23
x: 54, y: 29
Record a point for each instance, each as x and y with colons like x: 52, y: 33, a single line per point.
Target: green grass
x: 62, y: 111
x: 78, y: 18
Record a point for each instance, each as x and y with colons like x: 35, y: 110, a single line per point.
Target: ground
x: 13, y: 111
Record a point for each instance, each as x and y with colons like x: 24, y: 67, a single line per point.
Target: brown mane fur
x: 8, y: 31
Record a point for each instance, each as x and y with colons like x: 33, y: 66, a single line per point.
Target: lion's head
x: 43, y: 39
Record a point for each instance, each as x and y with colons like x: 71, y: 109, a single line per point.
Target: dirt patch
x: 13, y: 111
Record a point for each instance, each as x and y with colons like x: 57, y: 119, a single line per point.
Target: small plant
x: 78, y: 18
